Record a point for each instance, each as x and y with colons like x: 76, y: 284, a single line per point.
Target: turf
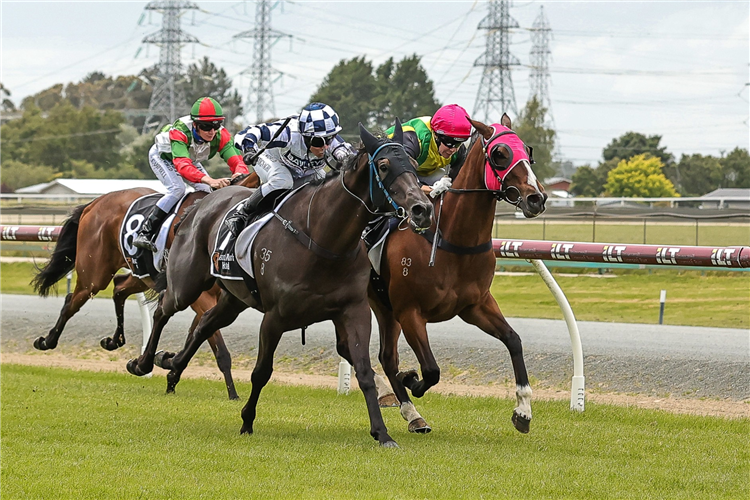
x: 84, y: 435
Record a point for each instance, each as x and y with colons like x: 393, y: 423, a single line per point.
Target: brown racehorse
x: 310, y: 266
x: 89, y: 243
x: 459, y: 282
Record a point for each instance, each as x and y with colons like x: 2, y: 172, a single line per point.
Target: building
x: 90, y: 187
x: 727, y: 198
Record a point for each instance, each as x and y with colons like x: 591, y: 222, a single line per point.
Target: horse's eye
x: 383, y: 166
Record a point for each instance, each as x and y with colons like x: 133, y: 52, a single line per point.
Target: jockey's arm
x: 254, y: 137
x: 230, y: 154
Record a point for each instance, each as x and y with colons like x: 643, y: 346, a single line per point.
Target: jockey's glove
x: 250, y: 157
x: 440, y: 186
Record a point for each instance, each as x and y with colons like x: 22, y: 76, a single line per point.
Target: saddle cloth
x: 232, y: 256
x: 374, y: 237
x: 141, y: 262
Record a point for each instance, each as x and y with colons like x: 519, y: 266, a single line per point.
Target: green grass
x: 708, y: 234
x: 80, y: 435
x: 718, y: 299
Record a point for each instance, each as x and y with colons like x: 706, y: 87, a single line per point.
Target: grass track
x: 72, y: 434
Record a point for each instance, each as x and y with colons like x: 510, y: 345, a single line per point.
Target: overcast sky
x: 675, y: 69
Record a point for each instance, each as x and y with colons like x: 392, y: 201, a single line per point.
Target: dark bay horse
x: 89, y: 243
x: 459, y: 282
x: 310, y: 266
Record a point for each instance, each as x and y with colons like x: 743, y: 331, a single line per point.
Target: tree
x: 16, y: 175
x: 205, y: 79
x: 697, y: 174
x: 736, y: 169
x: 404, y: 91
x: 588, y: 181
x: 350, y: 89
x: 7, y: 104
x: 632, y: 144
x: 530, y: 128
x: 641, y: 176
x: 395, y: 90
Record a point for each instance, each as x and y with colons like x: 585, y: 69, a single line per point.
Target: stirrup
x: 142, y: 241
x: 236, y: 224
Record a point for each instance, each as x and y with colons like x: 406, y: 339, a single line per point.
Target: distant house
x: 727, y: 198
x: 90, y: 187
x: 557, y: 184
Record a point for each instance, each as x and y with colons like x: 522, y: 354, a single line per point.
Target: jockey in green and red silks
x: 176, y: 158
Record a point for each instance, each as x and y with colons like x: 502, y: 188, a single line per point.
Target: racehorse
x: 309, y: 264
x: 459, y: 282
x: 89, y: 242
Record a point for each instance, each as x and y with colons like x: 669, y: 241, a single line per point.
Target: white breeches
x: 275, y: 175
x: 167, y: 173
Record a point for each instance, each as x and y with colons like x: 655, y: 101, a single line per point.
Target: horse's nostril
x: 535, y: 201
x: 418, y: 210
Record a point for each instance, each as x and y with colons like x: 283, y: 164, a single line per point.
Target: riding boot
x: 150, y: 229
x: 237, y: 222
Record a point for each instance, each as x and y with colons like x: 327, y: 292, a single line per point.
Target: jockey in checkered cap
x: 301, y: 150
x: 176, y: 158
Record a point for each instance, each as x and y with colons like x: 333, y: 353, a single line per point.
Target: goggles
x: 450, y: 142
x: 208, y: 126
x: 317, y: 141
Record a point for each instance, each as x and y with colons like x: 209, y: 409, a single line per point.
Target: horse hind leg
x: 218, y: 346
x: 390, y: 331
x: 87, y: 285
x: 223, y: 314
x: 487, y: 316
x: 125, y: 286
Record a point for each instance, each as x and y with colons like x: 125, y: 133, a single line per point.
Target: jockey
x: 436, y: 143
x: 302, y: 149
x: 175, y: 159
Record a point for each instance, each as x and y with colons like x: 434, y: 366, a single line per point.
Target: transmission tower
x: 539, y: 56
x: 260, y: 93
x: 495, y: 95
x: 166, y: 97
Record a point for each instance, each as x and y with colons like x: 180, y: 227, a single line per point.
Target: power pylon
x: 539, y: 57
x: 260, y: 92
x: 166, y: 96
x: 495, y: 95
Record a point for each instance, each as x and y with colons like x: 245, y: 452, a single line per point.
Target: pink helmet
x: 451, y: 120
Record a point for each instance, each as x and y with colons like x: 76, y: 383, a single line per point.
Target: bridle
x: 380, y: 188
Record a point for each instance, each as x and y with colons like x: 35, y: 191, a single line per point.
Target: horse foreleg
x: 144, y: 364
x: 389, y: 331
x: 227, y: 308
x: 268, y: 340
x: 487, y: 316
x: 415, y: 332
x: 125, y: 286
x: 353, y: 329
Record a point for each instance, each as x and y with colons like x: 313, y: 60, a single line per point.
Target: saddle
x: 141, y: 262
x: 374, y: 237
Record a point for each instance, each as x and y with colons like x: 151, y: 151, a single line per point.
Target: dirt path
x: 705, y: 407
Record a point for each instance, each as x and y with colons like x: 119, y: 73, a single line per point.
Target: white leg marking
x: 523, y: 397
x: 382, y: 386
x: 409, y: 413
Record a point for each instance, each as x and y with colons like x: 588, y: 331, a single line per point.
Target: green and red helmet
x: 206, y: 109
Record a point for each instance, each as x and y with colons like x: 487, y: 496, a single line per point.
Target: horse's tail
x: 63, y: 259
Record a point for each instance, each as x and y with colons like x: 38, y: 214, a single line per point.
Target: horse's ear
x: 482, y: 129
x: 369, y: 140
x: 505, y: 121
x: 398, y: 132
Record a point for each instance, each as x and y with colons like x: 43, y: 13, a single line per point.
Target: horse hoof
x: 40, y: 344
x: 133, y: 368
x: 246, y: 430
x: 109, y: 344
x: 389, y: 444
x: 233, y: 397
x: 388, y: 401
x: 419, y: 426
x: 521, y: 423
x: 408, y: 378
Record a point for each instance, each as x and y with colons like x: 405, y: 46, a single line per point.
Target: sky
x: 678, y: 69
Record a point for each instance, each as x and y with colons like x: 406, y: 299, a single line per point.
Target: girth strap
x: 429, y: 235
x: 318, y: 250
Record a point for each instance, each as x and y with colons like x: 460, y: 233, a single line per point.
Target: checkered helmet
x: 318, y: 119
